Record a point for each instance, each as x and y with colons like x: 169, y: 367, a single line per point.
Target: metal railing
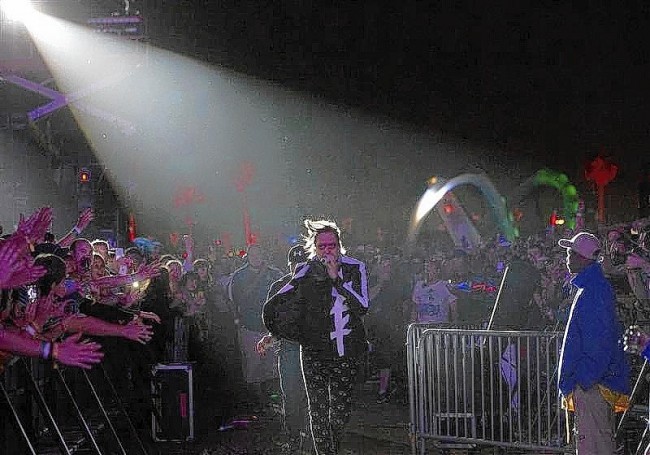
x: 481, y: 387
x: 33, y: 391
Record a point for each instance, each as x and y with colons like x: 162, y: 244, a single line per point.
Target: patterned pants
x: 329, y: 384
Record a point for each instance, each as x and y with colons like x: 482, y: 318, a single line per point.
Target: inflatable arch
x: 559, y: 181
x: 435, y: 193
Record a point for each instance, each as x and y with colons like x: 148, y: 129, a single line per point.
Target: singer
x: 334, y: 290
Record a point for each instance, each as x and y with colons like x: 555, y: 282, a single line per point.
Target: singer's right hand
x: 332, y: 265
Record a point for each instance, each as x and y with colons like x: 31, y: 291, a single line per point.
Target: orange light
x: 84, y: 175
x: 448, y: 208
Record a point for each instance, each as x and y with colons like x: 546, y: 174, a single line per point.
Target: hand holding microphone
x: 331, y: 264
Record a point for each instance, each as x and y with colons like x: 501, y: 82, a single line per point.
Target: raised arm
x: 85, y: 217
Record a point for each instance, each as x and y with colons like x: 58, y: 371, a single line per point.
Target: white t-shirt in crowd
x: 432, y: 302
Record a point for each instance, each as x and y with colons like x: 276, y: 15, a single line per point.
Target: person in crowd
x: 205, y: 281
x: 516, y: 308
x: 247, y: 290
x: 334, y: 288
x: 387, y: 327
x: 434, y: 303
x: 294, y: 397
x: 56, y: 310
x: 228, y: 370
x: 101, y: 247
x: 192, y: 297
x: 593, y: 372
x: 82, y: 255
x: 18, y: 269
x: 175, y: 269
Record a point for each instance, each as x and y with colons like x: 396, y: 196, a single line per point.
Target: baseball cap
x: 296, y: 255
x: 585, y: 244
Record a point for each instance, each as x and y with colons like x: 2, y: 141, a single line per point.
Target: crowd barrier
x: 475, y: 387
x: 49, y: 409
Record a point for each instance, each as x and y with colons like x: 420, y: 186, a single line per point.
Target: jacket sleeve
x: 279, y: 296
x: 355, y: 290
x: 598, y: 338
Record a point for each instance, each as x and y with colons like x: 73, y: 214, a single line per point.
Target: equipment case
x: 173, y: 402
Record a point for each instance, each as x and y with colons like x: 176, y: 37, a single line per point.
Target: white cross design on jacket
x: 340, y: 321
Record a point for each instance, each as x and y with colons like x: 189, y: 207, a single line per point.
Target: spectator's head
x: 175, y: 268
x: 202, y: 268
x: 295, y: 256
x: 190, y: 281
x: 583, y: 249
x: 165, y: 258
x: 101, y: 247
x: 432, y: 269
x: 98, y: 267
x: 82, y: 253
x: 135, y: 255
x: 54, y: 275
x: 48, y: 237
x: 50, y: 248
x: 323, y: 237
x: 255, y: 256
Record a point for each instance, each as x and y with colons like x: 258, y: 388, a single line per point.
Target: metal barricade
x: 481, y: 387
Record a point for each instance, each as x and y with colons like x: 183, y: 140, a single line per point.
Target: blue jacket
x: 592, y: 351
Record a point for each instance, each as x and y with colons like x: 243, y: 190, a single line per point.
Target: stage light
x: 17, y: 10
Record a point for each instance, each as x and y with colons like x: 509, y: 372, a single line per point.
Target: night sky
x: 545, y: 85
x: 557, y: 76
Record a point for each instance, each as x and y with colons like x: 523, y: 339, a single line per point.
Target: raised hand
x: 76, y: 353
x: 85, y: 217
x: 16, y: 266
x: 148, y: 271
x: 264, y: 344
x: 137, y: 331
x: 35, y: 227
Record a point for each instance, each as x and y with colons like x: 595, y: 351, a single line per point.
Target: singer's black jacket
x: 308, y: 308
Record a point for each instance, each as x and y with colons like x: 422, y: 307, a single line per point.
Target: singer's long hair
x: 315, y: 227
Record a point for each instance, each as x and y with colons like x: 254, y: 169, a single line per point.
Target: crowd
x: 206, y: 307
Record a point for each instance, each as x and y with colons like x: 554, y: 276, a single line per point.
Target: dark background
x: 507, y: 88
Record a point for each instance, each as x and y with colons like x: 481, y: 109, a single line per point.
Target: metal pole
x: 23, y: 432
x: 103, y: 411
x: 46, y: 410
x: 120, y: 405
x: 496, y: 302
x: 84, y: 424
